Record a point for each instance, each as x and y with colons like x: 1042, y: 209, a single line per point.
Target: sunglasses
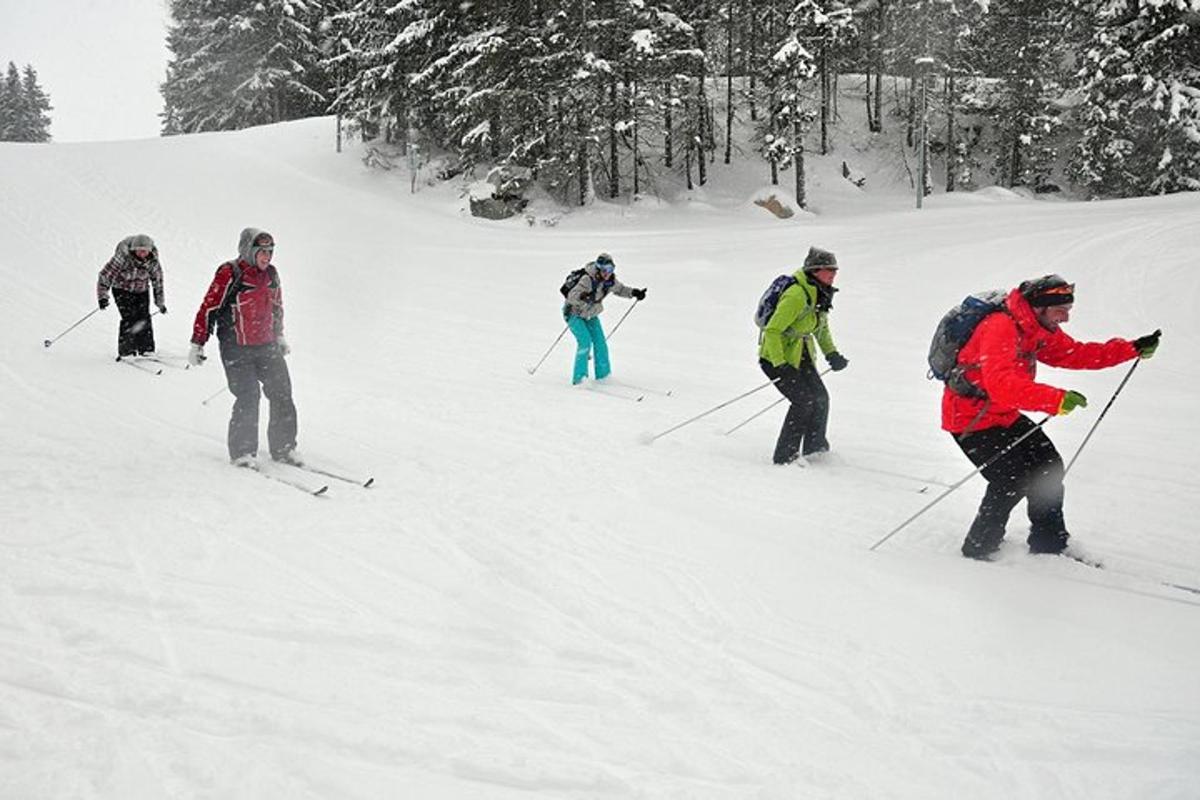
x: 1064, y: 289
x: 264, y: 241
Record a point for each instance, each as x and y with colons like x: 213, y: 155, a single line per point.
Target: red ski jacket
x: 1001, y: 358
x: 244, y: 304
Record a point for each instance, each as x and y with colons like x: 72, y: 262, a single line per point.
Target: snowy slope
x: 531, y: 601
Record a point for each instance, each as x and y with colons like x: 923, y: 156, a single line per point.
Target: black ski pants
x: 1032, y: 470
x: 803, y: 430
x: 246, y: 369
x: 135, y: 335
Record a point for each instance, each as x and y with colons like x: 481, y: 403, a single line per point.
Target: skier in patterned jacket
x: 1001, y: 360
x: 582, y: 312
x: 787, y: 354
x: 130, y: 274
x: 244, y: 304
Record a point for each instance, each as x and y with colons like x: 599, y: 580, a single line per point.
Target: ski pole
x: 765, y: 410
x: 613, y: 332
x: 534, y: 368
x: 651, y: 439
x: 48, y: 342
x: 1095, y: 424
x: 966, y: 478
x: 213, y: 396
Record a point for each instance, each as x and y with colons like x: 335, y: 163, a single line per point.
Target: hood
x: 246, y: 248
x: 139, y: 241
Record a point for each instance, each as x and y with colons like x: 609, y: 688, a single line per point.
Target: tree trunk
x: 614, y: 166
x: 823, y: 59
x: 798, y: 157
x: 729, y: 87
x: 950, y: 144
x: 668, y: 150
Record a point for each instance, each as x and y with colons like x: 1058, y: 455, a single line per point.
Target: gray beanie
x: 819, y: 259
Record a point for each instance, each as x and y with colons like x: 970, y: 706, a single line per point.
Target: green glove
x: 1146, y: 345
x: 1071, y: 401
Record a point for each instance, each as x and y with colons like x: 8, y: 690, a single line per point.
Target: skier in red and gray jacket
x: 1000, y: 359
x: 244, y: 304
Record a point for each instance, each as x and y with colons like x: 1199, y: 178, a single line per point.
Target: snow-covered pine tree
x: 1021, y: 44
x: 35, y: 108
x: 237, y: 63
x: 10, y: 103
x: 1141, y: 121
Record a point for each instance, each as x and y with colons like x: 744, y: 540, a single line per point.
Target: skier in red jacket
x: 245, y: 305
x: 1000, y: 359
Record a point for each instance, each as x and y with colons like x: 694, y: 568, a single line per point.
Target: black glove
x: 638, y: 294
x: 1146, y: 345
x: 837, y: 361
x: 162, y: 309
x: 104, y: 302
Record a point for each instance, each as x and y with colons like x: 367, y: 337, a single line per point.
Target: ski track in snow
x: 530, y: 600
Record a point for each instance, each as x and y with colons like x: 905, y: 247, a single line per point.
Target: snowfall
x: 539, y: 595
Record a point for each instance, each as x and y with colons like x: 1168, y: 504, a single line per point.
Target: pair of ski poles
x: 1007, y: 449
x: 611, y: 334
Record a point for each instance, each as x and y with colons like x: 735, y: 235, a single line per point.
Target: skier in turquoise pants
x: 582, y: 312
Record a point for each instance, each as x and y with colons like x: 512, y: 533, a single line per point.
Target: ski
x: 367, y: 484
x: 138, y: 365
x: 636, y: 388
x: 295, y: 484
x: 1089, y: 562
x: 165, y: 362
x: 611, y: 391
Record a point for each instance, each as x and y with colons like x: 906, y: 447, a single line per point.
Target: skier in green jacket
x: 787, y: 353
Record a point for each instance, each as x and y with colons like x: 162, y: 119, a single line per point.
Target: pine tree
x: 36, y: 108
x: 11, y: 97
x: 1141, y: 123
x: 1022, y: 45
x: 237, y: 63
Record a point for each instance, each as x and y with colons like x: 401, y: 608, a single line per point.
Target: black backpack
x: 953, y: 332
x: 572, y: 278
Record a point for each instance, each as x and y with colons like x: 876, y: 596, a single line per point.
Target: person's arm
x: 156, y: 281
x: 214, y: 298
x: 1064, y: 352
x: 104, y: 282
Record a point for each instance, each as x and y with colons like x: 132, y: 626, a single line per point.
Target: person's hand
x: 284, y: 349
x: 104, y: 302
x: 196, y: 355
x: 162, y: 309
x: 639, y: 294
x: 837, y: 361
x: 1071, y: 401
x: 1146, y: 345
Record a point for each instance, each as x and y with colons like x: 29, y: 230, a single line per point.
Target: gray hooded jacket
x: 586, y: 298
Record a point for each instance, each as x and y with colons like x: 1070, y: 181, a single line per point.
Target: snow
x: 531, y: 601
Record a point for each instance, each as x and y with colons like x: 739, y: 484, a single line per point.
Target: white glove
x: 196, y: 355
x: 283, y: 346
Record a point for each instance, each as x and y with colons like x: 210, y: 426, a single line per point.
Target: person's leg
x: 583, y: 348
x: 791, y: 385
x: 1006, y: 478
x: 242, y: 377
x: 599, y: 348
x: 126, y: 335
x: 142, y: 327
x: 1044, y: 496
x: 816, y: 417
x: 277, y: 386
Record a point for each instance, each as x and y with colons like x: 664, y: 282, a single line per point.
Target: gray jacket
x: 586, y: 298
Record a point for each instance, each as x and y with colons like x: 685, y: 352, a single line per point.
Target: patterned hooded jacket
x: 244, y: 304
x: 585, y: 300
x: 1001, y: 358
x: 126, y: 272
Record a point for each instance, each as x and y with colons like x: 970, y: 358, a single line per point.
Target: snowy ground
x: 531, y: 602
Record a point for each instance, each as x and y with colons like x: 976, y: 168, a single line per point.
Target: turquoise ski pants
x: 588, y: 335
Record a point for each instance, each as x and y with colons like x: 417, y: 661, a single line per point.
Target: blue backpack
x: 953, y: 332
x: 770, y: 299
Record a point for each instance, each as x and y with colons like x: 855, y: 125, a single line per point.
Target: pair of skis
x: 152, y: 365
x: 625, y: 391
x: 307, y: 487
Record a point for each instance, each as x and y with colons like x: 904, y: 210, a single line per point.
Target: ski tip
x: 321, y: 492
x: 370, y: 482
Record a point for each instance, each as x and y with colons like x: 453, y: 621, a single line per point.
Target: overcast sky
x: 101, y: 62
